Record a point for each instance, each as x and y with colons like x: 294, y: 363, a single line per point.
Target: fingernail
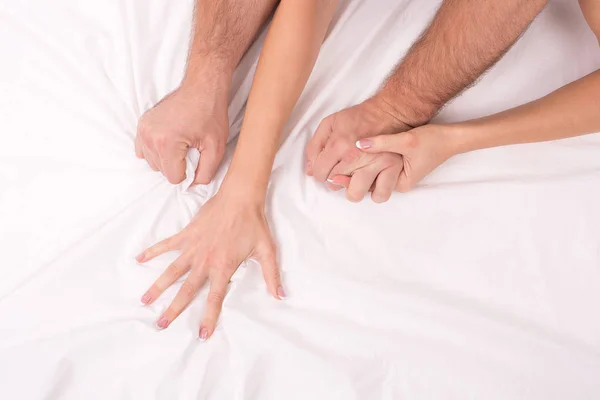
x: 146, y: 298
x: 333, y: 182
x: 204, y: 334
x: 364, y: 144
x: 140, y: 258
x: 281, y: 293
x: 162, y: 323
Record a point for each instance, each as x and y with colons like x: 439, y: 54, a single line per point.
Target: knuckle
x: 220, y: 146
x: 222, y: 269
x: 354, y: 196
x: 175, y: 179
x: 326, y: 122
x: 411, y: 139
x: 143, y: 126
x: 389, y: 159
x: 385, y: 142
x: 403, y: 187
x: 209, y: 255
x: 203, y: 178
x: 174, y: 272
x: 274, y: 273
x: 214, y: 143
x: 224, y: 275
x: 215, y: 298
x: 270, y: 249
x: 380, y: 197
x: 155, y: 289
x: 268, y: 260
x: 209, y: 141
x: 351, y: 155
x: 178, y: 239
x: 271, y: 254
x: 160, y: 142
x: 320, y: 173
x: 188, y: 289
x: 151, y: 252
x: 339, y: 144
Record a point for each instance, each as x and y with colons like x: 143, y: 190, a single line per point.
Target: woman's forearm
x: 286, y: 61
x: 572, y: 110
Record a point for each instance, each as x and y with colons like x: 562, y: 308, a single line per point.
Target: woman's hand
x: 332, y: 151
x: 225, y: 232
x: 422, y: 149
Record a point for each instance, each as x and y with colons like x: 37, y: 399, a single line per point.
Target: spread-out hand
x: 226, y: 231
x: 194, y: 115
x: 332, y: 150
x: 422, y: 150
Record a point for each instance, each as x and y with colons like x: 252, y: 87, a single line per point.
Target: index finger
x: 317, y: 143
x: 211, y: 154
x: 173, y: 163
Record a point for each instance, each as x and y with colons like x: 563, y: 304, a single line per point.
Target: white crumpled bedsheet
x: 484, y: 283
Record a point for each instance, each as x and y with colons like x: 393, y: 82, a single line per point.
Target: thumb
x: 395, y: 143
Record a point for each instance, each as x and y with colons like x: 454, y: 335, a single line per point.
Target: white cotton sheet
x: 484, y: 283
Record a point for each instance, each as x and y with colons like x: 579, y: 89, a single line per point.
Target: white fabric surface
x: 484, y: 283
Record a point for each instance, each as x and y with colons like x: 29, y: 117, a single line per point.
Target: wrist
x: 207, y: 71
x: 245, y: 186
x: 385, y: 119
x: 251, y: 166
x: 462, y: 137
x: 244, y: 194
x: 237, y: 200
x: 406, y: 106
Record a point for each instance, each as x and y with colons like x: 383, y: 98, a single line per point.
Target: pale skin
x: 465, y: 38
x: 572, y: 110
x: 231, y: 227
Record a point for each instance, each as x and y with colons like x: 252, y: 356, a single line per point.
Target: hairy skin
x: 465, y: 38
x: 195, y: 114
x: 231, y: 226
x: 223, y: 31
x: 572, y: 110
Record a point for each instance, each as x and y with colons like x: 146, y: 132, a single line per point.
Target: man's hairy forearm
x: 223, y: 31
x: 465, y: 38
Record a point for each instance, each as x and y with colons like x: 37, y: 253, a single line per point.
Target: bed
x: 483, y: 283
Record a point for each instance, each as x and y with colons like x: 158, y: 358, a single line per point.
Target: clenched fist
x: 194, y: 115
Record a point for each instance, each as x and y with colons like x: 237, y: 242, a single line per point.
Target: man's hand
x: 422, y: 149
x: 332, y: 150
x: 465, y: 38
x: 194, y: 115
